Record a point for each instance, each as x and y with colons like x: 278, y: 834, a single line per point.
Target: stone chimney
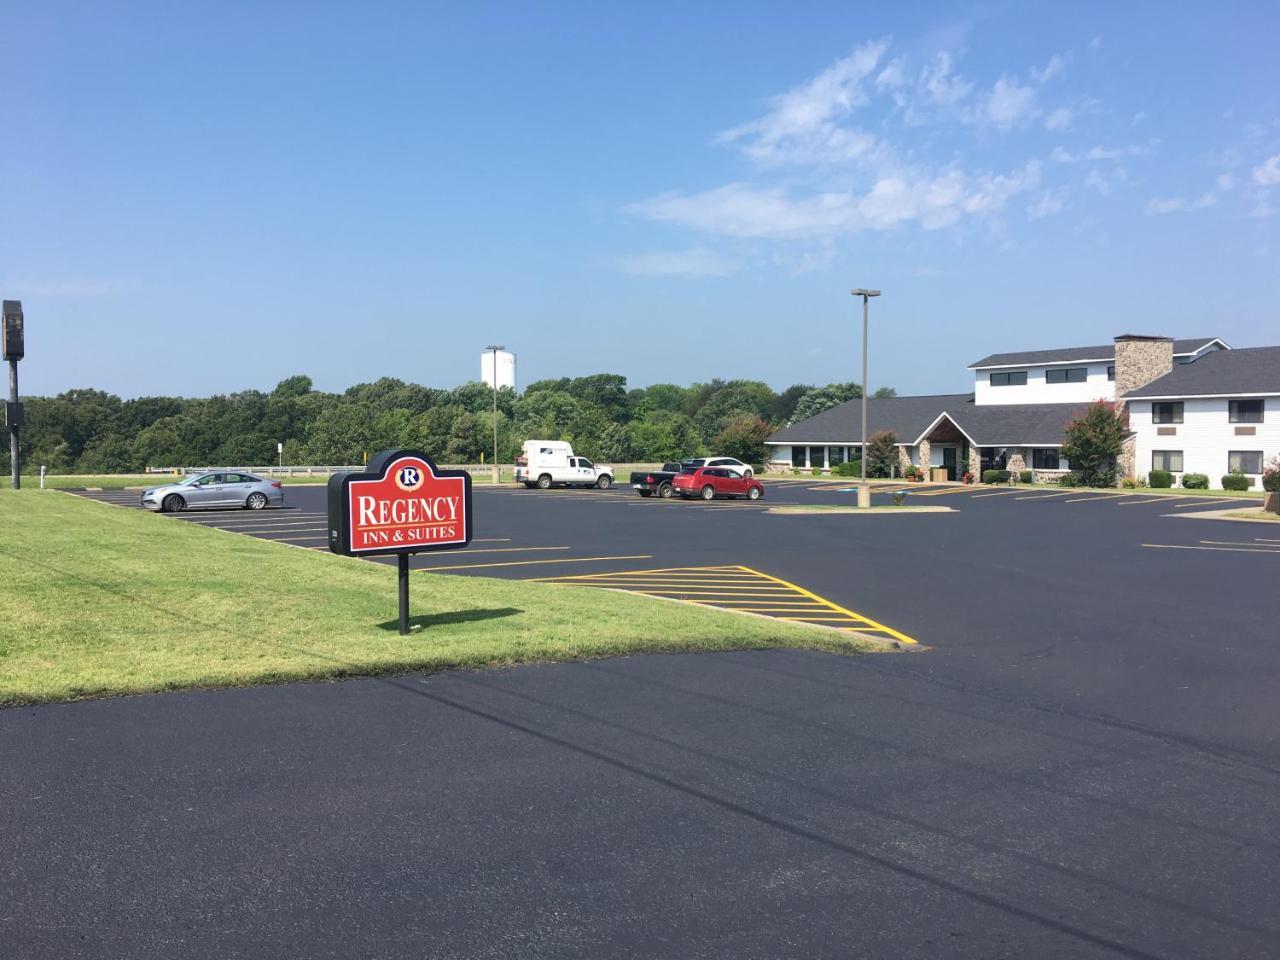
x: 1141, y: 359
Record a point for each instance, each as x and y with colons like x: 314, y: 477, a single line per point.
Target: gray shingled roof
x: 1246, y: 370
x: 1068, y: 354
x: 1038, y: 424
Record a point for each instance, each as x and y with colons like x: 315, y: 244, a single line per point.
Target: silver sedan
x: 215, y: 490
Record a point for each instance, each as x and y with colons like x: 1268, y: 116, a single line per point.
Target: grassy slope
x: 100, y: 600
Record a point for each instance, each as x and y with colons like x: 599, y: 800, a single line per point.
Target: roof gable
x: 1099, y: 354
x: 1247, y: 371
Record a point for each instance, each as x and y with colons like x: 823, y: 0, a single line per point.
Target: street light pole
x: 497, y: 474
x: 864, y: 491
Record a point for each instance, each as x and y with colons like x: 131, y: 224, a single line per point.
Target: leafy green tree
x: 882, y: 454
x: 744, y: 437
x: 290, y: 387
x: 1094, y: 441
x: 824, y: 398
x: 665, y: 436
x: 784, y: 407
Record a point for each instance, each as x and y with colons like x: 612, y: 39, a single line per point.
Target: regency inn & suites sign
x: 401, y: 504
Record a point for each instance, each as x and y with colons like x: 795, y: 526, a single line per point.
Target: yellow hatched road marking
x: 1178, y: 546
x: 834, y: 606
x: 705, y: 586
x: 997, y: 493
x: 945, y: 491
x: 530, y: 563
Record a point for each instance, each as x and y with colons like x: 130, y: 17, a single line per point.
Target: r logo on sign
x: 408, y: 479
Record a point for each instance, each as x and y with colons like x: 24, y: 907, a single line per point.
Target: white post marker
x: 42, y: 476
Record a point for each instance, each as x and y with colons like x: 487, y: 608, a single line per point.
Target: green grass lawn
x: 101, y: 600
x: 1143, y: 491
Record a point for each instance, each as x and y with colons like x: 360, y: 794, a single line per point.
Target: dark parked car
x: 649, y: 482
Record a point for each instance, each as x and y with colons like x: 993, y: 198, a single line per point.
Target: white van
x: 544, y: 463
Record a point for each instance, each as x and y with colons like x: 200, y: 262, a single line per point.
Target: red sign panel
x: 404, y: 504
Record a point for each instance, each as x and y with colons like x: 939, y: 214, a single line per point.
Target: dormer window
x: 1014, y: 378
x: 1067, y: 375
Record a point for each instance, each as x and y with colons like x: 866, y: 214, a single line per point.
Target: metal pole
x: 402, y: 565
x: 15, y: 468
x: 497, y: 473
x: 865, y: 301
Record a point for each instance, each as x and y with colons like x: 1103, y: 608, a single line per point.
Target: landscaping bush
x: 1236, y: 481
x: 817, y: 471
x: 1195, y: 481
x: 995, y: 476
x: 1024, y: 476
x: 1162, y: 479
x: 1271, y: 476
x: 1069, y: 479
x: 852, y: 468
x: 899, y: 497
x: 1103, y: 477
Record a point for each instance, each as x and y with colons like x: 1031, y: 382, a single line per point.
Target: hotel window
x: 1014, y: 378
x: 799, y: 456
x: 1170, y: 460
x: 1246, y: 411
x: 1067, y: 375
x: 1167, y: 412
x: 1111, y: 372
x: 1244, y: 461
x: 1044, y: 459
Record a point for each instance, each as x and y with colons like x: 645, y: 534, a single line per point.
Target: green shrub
x: 1025, y: 476
x: 1195, y: 481
x: 995, y: 476
x: 851, y: 469
x: 1069, y: 479
x: 1162, y: 479
x: 1236, y: 481
x: 1271, y: 476
x: 817, y: 471
x: 1103, y: 477
x: 899, y: 497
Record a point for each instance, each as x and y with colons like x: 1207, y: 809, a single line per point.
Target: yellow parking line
x: 515, y: 549
x: 529, y: 563
x: 946, y: 491
x: 996, y: 493
x: 626, y: 573
x: 690, y: 593
x: 834, y: 606
x: 1178, y: 546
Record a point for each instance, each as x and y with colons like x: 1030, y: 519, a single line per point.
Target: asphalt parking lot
x: 1083, y: 762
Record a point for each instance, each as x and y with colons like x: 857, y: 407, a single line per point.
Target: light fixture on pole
x: 494, y: 348
x: 864, y: 491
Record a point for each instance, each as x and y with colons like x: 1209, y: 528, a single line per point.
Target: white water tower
x: 506, y: 368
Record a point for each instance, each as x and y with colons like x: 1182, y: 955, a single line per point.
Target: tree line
x: 90, y: 431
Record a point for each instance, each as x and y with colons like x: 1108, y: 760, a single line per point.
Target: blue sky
x: 206, y: 198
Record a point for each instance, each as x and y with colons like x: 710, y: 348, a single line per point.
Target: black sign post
x: 401, y: 504
x: 11, y: 336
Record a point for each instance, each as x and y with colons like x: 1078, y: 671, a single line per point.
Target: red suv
x: 711, y: 482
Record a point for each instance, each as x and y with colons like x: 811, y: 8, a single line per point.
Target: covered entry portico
x: 944, y: 444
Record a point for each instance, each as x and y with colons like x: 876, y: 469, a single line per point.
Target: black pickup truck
x: 649, y: 482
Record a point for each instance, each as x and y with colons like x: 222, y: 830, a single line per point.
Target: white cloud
x: 743, y: 210
x: 691, y: 264
x: 1059, y: 119
x: 1157, y: 206
x: 1057, y: 63
x: 941, y: 86
x: 802, y: 125
x: 1010, y: 103
x: 1225, y: 182
x: 1267, y: 173
x: 1050, y: 202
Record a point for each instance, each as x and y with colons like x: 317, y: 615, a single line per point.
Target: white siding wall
x: 1095, y: 387
x: 1205, y: 437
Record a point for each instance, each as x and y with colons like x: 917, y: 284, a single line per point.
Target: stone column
x: 904, y: 461
x: 975, y: 463
x: 926, y: 453
x: 1017, y: 461
x: 1127, y: 462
